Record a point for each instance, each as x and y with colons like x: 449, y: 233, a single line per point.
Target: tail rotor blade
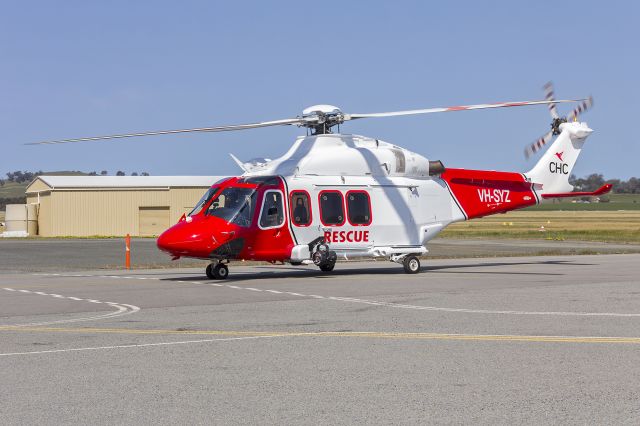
x: 549, y: 95
x: 537, y: 145
x: 582, y: 107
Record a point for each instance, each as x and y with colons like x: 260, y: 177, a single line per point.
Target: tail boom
x: 484, y: 192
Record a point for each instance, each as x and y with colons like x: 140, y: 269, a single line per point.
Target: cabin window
x: 272, y: 214
x: 331, y: 208
x: 358, y: 208
x: 300, y: 208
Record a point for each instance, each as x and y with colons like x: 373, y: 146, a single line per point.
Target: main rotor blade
x: 457, y: 108
x: 290, y: 121
x: 549, y: 95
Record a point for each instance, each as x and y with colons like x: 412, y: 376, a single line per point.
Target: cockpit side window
x: 272, y: 214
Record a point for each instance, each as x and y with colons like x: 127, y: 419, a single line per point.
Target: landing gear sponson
x: 410, y: 262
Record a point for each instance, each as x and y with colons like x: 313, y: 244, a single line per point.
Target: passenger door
x: 272, y: 240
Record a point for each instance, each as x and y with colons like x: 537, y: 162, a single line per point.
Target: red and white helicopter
x: 340, y: 196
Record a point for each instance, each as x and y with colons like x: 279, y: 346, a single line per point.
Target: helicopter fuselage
x: 384, y: 202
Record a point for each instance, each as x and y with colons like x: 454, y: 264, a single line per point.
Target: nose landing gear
x: 217, y: 271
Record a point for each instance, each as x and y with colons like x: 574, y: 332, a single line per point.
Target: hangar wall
x: 110, y: 211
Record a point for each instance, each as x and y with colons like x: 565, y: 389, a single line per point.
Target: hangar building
x: 113, y: 205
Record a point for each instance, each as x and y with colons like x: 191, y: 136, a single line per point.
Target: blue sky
x: 85, y: 68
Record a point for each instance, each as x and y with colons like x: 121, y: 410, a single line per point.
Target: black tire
x: 411, y: 264
x: 220, y: 271
x: 327, y: 267
x: 209, y: 272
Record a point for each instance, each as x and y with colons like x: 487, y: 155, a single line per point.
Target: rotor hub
x: 555, y: 125
x: 321, y: 118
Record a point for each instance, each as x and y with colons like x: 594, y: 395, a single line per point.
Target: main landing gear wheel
x: 411, y: 264
x: 219, y: 271
x: 327, y: 267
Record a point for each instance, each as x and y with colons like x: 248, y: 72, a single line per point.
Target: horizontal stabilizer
x: 600, y: 191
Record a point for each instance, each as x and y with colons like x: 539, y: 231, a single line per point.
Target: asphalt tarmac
x: 76, y: 254
x: 550, y: 339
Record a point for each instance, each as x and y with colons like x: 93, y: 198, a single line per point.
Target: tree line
x: 24, y: 177
x: 595, y: 181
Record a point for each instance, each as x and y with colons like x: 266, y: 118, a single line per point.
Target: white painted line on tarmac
x: 422, y: 308
x: 141, y: 345
x: 121, y: 309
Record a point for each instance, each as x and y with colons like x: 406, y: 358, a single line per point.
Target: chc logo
x: 561, y: 168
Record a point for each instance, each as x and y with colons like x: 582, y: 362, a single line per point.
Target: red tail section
x: 481, y: 193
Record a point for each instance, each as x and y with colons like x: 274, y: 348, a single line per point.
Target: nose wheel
x: 217, y: 271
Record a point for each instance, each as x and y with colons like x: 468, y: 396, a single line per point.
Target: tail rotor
x: 556, y: 121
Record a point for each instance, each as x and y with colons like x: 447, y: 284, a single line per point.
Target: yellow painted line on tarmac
x: 362, y: 334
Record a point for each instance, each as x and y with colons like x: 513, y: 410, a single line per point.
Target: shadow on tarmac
x: 312, y: 272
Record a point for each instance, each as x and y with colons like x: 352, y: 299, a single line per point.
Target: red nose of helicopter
x: 186, y: 239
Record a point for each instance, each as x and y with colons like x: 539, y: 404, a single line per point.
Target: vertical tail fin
x: 554, y: 167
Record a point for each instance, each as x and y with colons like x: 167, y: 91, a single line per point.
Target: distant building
x: 83, y: 206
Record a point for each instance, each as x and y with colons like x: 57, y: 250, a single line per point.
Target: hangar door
x: 153, y: 220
